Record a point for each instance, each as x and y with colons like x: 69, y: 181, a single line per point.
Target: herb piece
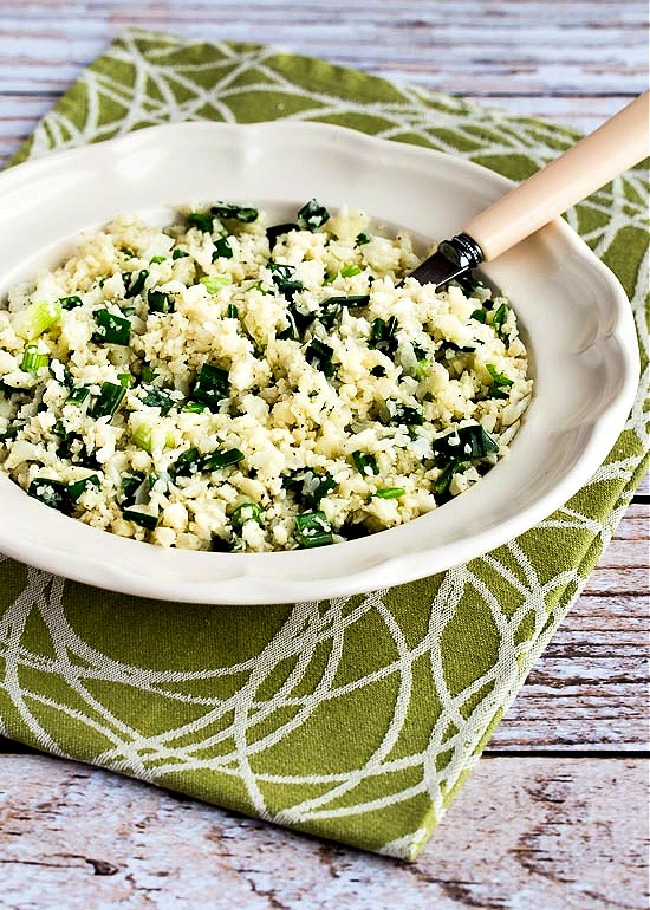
x: 147, y: 374
x: 468, y: 283
x: 139, y: 515
x: 313, y: 530
x: 499, y: 381
x: 247, y: 511
x: 285, y: 279
x: 442, y: 482
x: 69, y: 303
x: 364, y: 462
x: 32, y: 361
x: 221, y: 459
x: 30, y: 322
x: 232, y: 312
x: 160, y: 302
x: 78, y: 487
x: 211, y: 387
x: 109, y: 400
x: 480, y: 315
x: 349, y: 271
x: 313, y: 215
x: 469, y: 443
x: 222, y: 249
x: 126, y: 380
x: 378, y: 371
x: 298, y: 321
x: 363, y: 238
x: 134, y: 282
x: 319, y: 355
x: 242, y: 213
x: 180, y: 254
x: 202, y: 221
x: 277, y: 230
x: 157, y: 260
x: 403, y: 414
x: 389, y: 492
x: 354, y: 300
x: 111, y: 329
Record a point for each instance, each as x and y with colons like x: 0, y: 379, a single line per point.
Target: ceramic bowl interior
x: 573, y: 315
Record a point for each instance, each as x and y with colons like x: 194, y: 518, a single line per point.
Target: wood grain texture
x: 73, y: 837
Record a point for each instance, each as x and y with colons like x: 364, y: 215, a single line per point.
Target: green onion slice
x: 313, y: 530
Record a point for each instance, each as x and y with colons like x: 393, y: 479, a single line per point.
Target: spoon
x: 617, y: 145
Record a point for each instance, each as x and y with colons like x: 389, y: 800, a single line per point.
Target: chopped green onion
x: 363, y: 238
x: 499, y: 318
x: 232, y: 312
x: 132, y: 487
x: 277, y: 230
x: 79, y: 487
x: 32, y: 361
x: 308, y: 486
x: 214, y: 283
x: 469, y: 443
x: 202, y: 221
x: 53, y: 493
x: 126, y: 380
x: 242, y: 213
x: 160, y: 302
x: 382, y: 335
x: 180, y: 254
x: 378, y: 371
x: 134, y: 282
x: 313, y: 530
x: 111, y: 329
x: 222, y: 249
x: 352, y: 301
x: 499, y: 382
x: 158, y: 398
x: 157, y: 260
x: 211, y: 387
x: 188, y: 463
x: 221, y: 459
x: 69, y: 303
x: 349, y: 271
x: 284, y: 278
x: 364, y: 462
x: 480, y: 315
x: 147, y: 374
x: 441, y: 484
x: 403, y: 414
x: 313, y: 215
x: 109, y: 400
x: 12, y: 430
x: 30, y: 322
x: 247, y: 511
x: 78, y: 396
x: 194, y: 407
x: 389, y: 492
x: 141, y: 517
x: 319, y: 355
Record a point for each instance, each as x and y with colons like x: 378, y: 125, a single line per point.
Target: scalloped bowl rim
x: 598, y: 372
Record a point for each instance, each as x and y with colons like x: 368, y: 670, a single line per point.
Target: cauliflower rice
x: 219, y: 384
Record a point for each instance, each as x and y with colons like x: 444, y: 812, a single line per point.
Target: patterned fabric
x: 354, y: 719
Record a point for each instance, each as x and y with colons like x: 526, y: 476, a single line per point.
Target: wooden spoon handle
x: 614, y: 147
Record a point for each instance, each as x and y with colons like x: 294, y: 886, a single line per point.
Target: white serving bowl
x: 573, y: 314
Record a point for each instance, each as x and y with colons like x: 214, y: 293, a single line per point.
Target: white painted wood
x: 545, y: 834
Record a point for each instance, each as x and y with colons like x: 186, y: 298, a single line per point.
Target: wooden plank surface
x: 72, y: 837
x: 558, y: 817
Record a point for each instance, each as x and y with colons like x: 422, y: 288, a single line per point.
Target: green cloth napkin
x: 357, y: 718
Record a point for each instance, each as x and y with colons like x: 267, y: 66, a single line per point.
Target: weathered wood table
x: 558, y: 809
